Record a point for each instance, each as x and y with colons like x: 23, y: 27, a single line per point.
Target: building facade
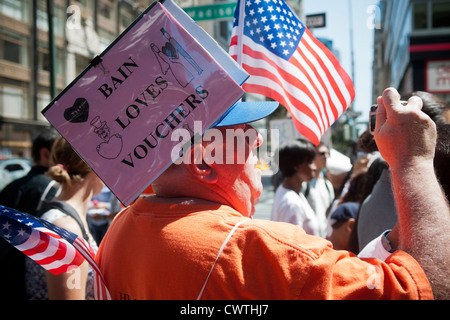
x: 412, y: 47
x: 81, y: 30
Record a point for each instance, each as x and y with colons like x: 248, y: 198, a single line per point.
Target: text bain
x: 125, y: 70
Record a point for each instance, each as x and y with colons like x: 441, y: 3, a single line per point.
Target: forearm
x: 68, y: 286
x: 424, y: 219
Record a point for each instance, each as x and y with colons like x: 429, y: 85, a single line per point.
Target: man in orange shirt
x: 194, y: 238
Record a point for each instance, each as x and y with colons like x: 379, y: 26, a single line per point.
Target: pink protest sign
x: 119, y: 113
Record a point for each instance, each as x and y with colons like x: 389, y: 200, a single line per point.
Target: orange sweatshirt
x: 163, y: 251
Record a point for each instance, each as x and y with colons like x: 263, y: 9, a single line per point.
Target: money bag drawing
x: 112, y: 145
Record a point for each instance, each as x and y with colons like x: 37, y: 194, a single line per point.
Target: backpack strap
x: 44, y: 194
x: 67, y: 209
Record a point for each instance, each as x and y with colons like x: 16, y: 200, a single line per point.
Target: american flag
x: 52, y: 247
x: 286, y: 63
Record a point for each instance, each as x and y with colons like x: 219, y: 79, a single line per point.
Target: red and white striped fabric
x: 288, y: 64
x: 100, y: 290
x: 55, y: 249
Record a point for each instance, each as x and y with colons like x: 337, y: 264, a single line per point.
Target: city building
x: 82, y: 29
x: 412, y: 47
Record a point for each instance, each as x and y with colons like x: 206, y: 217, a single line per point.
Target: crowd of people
x: 380, y: 234
x: 364, y: 205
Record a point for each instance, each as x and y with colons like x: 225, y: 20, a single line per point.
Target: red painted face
x: 240, y: 179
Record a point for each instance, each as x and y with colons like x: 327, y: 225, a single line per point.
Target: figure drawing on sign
x: 169, y: 59
x: 112, y: 145
x: 181, y: 51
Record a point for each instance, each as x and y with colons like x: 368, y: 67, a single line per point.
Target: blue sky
x: 338, y: 30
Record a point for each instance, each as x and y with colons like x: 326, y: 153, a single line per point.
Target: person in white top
x: 296, y: 163
x: 79, y: 184
x: 319, y: 191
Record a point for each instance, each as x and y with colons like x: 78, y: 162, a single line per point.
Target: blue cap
x: 245, y: 112
x: 345, y: 211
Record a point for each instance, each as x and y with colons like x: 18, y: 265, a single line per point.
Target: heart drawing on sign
x: 170, y: 51
x: 79, y: 112
x: 111, y: 148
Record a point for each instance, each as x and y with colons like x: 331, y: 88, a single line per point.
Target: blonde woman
x: 79, y: 183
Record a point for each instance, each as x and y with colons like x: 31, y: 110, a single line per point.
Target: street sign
x: 316, y: 20
x: 219, y: 11
x: 437, y: 76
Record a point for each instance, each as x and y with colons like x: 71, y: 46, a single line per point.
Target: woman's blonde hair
x: 66, y: 167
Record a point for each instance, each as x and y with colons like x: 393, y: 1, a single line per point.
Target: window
x: 420, y: 16
x: 126, y: 16
x: 59, y: 20
x: 223, y: 32
x: 44, y: 62
x: 88, y: 4
x: 81, y: 63
x: 431, y: 15
x: 13, y: 47
x: 60, y: 62
x: 14, y: 99
x: 441, y: 14
x: 11, y: 51
x: 43, y: 99
x: 106, y: 38
x: 14, y: 167
x: 42, y: 17
x: 15, y: 9
x: 106, y: 9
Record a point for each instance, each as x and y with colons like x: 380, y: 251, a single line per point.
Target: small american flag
x: 286, y: 63
x: 52, y: 247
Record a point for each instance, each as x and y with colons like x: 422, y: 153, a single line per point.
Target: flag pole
x: 240, y: 35
x: 240, y: 30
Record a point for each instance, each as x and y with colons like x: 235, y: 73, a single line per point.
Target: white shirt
x: 289, y: 206
x: 375, y: 249
x: 320, y: 197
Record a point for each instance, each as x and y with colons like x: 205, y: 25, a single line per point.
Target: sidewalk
x: 264, y: 207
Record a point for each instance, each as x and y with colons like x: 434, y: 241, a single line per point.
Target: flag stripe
x: 52, y: 247
x: 268, y: 76
x: 269, y: 69
x: 325, y: 88
x: 47, y: 247
x: 295, y: 82
x: 340, y: 76
x: 341, y: 88
x: 62, y: 256
x: 270, y: 87
x: 32, y: 241
x: 317, y: 84
x: 309, y: 130
x: 286, y: 63
x: 100, y: 290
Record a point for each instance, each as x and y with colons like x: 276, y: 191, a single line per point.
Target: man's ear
x: 350, y: 224
x: 198, y: 167
x: 44, y: 154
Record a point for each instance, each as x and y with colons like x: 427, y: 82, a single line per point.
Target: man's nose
x: 255, y: 133
x: 259, y: 139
